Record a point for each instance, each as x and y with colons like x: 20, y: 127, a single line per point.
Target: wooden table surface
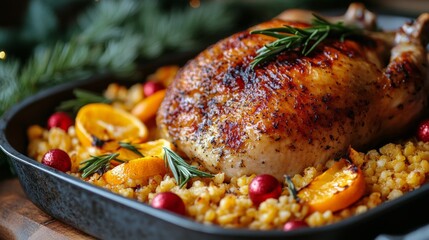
x: 21, y: 219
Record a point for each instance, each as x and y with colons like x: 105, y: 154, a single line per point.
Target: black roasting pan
x: 106, y: 215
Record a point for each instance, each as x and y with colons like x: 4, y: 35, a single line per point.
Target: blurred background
x: 26, y: 23
x: 48, y: 42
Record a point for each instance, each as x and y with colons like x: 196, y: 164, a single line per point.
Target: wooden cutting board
x: 21, y: 219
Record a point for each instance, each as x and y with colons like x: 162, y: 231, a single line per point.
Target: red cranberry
x: 294, y: 224
x: 169, y: 201
x: 263, y: 187
x: 61, y: 120
x: 423, y: 131
x: 152, y: 87
x: 57, y: 159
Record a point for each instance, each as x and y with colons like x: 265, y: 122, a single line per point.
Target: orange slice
x: 155, y: 148
x: 135, y: 169
x: 335, y: 189
x: 99, y: 122
x: 151, y: 148
x: 147, y: 108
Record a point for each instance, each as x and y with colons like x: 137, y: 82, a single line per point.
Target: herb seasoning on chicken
x: 296, y: 110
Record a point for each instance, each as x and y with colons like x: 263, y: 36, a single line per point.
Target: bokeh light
x: 3, y: 55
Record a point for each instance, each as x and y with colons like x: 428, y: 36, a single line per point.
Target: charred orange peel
x: 138, y: 168
x: 105, y: 123
x: 335, y: 189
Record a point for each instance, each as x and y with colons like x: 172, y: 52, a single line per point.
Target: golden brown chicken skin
x: 293, y: 111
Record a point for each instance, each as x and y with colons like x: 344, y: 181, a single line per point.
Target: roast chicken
x: 295, y: 111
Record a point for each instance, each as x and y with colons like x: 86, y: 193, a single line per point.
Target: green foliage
x: 39, y: 24
x: 9, y: 82
x: 110, y: 36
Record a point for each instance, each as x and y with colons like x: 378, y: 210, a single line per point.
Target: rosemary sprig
x: 181, y: 170
x: 291, y: 188
x: 98, y: 164
x: 131, y: 147
x: 306, y: 38
x: 83, y: 97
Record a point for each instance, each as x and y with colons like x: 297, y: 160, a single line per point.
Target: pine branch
x: 106, y: 21
x: 10, y: 85
x: 119, y: 56
x: 109, y: 37
x: 53, y: 65
x: 182, y: 30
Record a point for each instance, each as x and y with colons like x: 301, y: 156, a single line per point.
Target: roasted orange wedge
x: 155, y: 148
x: 151, y: 148
x: 97, y: 123
x: 335, y: 189
x: 147, y: 108
x: 136, y: 169
x: 149, y: 162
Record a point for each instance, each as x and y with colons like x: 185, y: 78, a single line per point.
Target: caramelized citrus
x: 151, y: 148
x: 149, y: 162
x: 136, y: 169
x: 147, y: 108
x: 98, y: 123
x: 337, y: 188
